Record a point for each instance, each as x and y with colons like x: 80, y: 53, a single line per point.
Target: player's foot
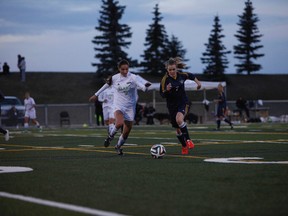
x: 6, y: 136
x: 40, y: 128
x: 232, y: 127
x: 118, y: 150
x: 185, y: 150
x: 190, y: 144
x: 107, y: 141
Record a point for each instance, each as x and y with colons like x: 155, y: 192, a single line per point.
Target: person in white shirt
x: 30, y: 111
x: 107, y: 98
x: 125, y: 86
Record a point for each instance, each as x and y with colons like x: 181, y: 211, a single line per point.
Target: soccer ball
x: 157, y: 151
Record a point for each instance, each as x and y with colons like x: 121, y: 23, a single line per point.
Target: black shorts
x: 183, y: 108
x: 221, y: 111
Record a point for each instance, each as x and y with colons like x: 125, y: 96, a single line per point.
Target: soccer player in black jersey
x: 172, y: 88
x: 221, y: 108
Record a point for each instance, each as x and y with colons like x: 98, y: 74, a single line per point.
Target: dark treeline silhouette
x: 113, y: 38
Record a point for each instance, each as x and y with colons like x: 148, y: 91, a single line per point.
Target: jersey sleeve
x: 105, y: 86
x: 101, y: 96
x: 139, y: 83
x: 190, y: 76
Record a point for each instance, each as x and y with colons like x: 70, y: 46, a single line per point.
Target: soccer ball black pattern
x: 157, y: 151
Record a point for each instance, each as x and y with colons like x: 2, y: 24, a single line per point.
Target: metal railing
x: 49, y: 114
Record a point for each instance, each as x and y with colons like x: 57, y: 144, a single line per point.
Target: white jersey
x: 29, y: 104
x: 107, y: 97
x: 30, y: 111
x: 126, y: 89
x: 125, y: 93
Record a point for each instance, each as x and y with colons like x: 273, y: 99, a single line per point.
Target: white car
x: 12, y: 111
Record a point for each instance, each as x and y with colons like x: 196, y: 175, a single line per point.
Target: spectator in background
x: 241, y: 104
x: 6, y: 68
x: 222, y: 108
x: 99, y: 113
x: 22, y: 67
x: 138, y: 114
x: 149, y: 114
x: 19, y: 57
x: 13, y: 117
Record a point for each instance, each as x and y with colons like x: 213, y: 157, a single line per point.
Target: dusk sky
x: 56, y: 35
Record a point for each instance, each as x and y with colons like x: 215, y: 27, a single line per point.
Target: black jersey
x: 177, y: 95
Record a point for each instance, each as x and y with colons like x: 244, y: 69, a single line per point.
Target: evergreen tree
x: 156, y: 38
x: 215, y: 55
x: 112, y: 38
x: 174, y: 48
x: 249, y: 38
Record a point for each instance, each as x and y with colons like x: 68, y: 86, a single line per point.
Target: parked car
x: 12, y: 111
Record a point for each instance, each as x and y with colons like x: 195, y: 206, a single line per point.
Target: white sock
x: 113, y: 131
x: 110, y: 128
x: 121, y: 141
x: 26, y: 125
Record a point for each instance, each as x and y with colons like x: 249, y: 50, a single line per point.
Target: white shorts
x: 128, y: 112
x: 30, y: 114
x: 108, y: 113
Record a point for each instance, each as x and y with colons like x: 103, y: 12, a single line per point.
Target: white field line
x: 60, y: 205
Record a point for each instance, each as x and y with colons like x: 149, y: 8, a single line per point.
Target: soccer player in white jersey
x: 30, y: 111
x: 125, y: 86
x: 107, y: 98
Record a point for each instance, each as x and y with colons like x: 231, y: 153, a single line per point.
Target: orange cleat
x: 185, y: 150
x: 190, y: 144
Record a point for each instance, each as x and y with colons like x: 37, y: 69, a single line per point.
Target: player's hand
x: 93, y: 98
x: 198, y: 86
x: 169, y: 87
x: 147, y: 84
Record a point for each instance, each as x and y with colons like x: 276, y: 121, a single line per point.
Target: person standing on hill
x: 6, y: 68
x: 173, y: 89
x: 221, y: 108
x: 125, y: 86
x: 22, y: 67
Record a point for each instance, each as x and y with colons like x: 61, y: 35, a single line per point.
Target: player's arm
x: 142, y: 83
x: 198, y: 83
x: 94, y: 97
x: 191, y: 76
x: 164, y: 87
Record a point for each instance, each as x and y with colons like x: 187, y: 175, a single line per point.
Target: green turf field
x: 71, y: 166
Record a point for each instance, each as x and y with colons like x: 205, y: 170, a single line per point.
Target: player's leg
x: 111, y: 119
x: 26, y: 122
x: 225, y: 118
x: 5, y: 132
x: 124, y: 136
x: 119, y: 121
x: 183, y: 128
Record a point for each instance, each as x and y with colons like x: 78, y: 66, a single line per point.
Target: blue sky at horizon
x: 56, y: 35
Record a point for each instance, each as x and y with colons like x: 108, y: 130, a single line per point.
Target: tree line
x: 113, y: 38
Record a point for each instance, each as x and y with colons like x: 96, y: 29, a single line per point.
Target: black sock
x: 181, y: 139
x: 218, y: 123
x: 227, y: 121
x: 184, y: 131
x: 3, y: 131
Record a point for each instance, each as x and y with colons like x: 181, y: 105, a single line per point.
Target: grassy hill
x: 78, y: 87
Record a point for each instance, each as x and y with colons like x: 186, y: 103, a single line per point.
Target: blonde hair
x: 175, y: 61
